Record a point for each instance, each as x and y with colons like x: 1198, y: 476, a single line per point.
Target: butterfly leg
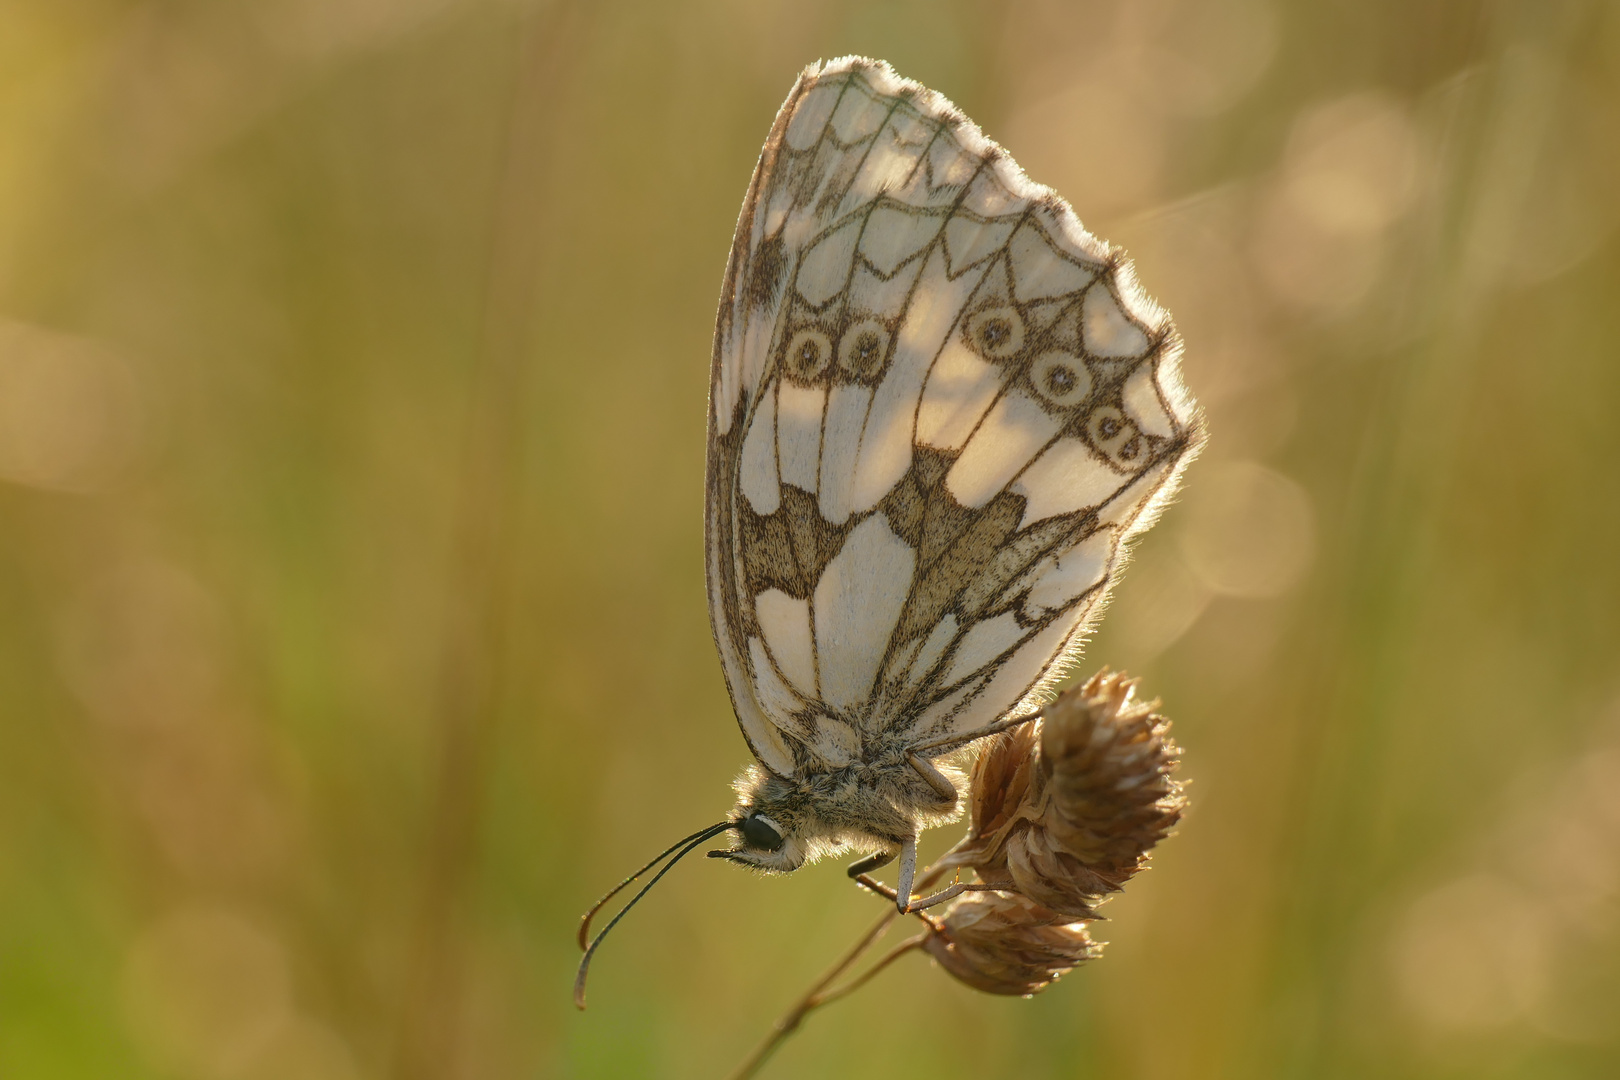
x: 962, y: 738
x: 874, y: 861
x: 948, y: 893
x: 908, y: 874
x: 935, y: 778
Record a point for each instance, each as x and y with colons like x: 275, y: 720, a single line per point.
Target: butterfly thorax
x: 873, y: 805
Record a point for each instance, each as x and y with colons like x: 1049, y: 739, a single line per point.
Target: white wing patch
x: 1007, y: 439
x: 939, y: 411
x: 758, y: 476
x: 800, y: 410
x: 785, y: 622
x: 858, y: 600
x: 1068, y: 476
x: 961, y: 388
x: 840, y: 447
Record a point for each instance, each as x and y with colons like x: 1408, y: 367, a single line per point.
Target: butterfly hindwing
x: 939, y: 409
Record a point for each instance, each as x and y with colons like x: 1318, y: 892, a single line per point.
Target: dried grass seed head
x: 1065, y: 810
x: 1003, y: 943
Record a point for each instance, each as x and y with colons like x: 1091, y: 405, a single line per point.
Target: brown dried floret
x: 1002, y: 943
x: 1066, y: 809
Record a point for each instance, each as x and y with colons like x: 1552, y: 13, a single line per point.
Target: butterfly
x: 939, y: 410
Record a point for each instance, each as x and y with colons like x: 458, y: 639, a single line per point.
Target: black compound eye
x: 761, y: 832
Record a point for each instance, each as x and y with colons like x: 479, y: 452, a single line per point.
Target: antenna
x: 686, y: 845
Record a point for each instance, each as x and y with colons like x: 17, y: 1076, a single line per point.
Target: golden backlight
x: 353, y: 636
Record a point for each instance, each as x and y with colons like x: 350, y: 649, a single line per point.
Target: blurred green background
x: 352, y: 626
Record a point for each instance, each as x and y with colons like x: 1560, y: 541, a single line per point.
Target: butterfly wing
x: 938, y: 410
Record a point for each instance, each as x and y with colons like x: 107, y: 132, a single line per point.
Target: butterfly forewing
x: 939, y: 409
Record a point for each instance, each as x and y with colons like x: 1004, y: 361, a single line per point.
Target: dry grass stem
x: 790, y: 1020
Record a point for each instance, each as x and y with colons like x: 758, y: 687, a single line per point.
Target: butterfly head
x: 766, y: 839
